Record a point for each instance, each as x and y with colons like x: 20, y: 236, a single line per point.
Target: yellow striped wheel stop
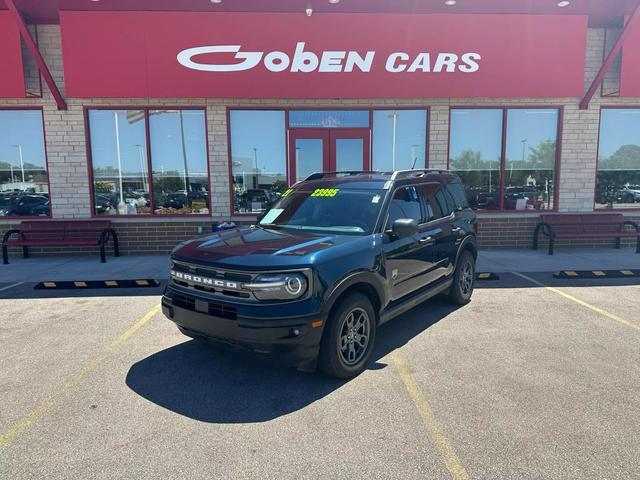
x: 92, y: 284
x: 597, y: 274
x: 487, y: 276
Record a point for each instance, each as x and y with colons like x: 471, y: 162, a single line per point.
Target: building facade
x: 162, y: 168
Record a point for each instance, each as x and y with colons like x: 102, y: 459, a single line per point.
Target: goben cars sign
x: 334, y: 61
x: 287, y: 55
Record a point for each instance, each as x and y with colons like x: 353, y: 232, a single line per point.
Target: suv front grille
x: 211, y: 273
x: 215, y: 309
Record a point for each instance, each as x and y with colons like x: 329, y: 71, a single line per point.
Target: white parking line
x: 10, y: 286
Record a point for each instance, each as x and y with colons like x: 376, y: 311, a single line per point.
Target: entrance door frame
x: 328, y: 137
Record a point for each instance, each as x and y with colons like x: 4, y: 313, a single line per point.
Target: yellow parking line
x: 601, y: 311
x: 436, y: 434
x: 25, y: 422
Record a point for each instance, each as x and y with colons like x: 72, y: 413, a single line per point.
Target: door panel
x: 409, y: 261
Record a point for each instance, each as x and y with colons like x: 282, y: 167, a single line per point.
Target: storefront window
x: 527, y: 174
x: 618, y: 178
x: 179, y: 161
x: 399, y: 139
x: 531, y: 159
x: 120, y: 164
x: 258, y: 158
x: 24, y: 188
x: 475, y: 147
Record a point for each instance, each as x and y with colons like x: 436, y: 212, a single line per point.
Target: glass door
x: 309, y: 152
x: 349, y: 149
x: 327, y: 150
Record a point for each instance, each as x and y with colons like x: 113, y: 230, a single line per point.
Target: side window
x: 456, y: 190
x: 445, y: 205
x: 405, y: 204
x: 434, y: 201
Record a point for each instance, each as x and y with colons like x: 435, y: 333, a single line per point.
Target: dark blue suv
x: 336, y: 256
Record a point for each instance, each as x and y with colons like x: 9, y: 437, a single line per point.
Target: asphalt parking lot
x: 527, y: 381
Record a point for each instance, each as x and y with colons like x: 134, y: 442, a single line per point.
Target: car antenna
x: 414, y: 163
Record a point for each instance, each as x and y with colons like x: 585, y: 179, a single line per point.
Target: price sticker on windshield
x: 325, y: 192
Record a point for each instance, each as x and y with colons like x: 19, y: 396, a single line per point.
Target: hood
x: 257, y: 247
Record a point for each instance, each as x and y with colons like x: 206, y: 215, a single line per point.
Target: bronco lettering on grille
x: 204, y: 281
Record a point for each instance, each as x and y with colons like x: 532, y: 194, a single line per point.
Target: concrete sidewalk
x: 39, y: 269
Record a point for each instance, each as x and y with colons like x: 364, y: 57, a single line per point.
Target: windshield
x: 338, y: 210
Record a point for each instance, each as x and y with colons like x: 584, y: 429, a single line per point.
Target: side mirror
x: 404, y: 227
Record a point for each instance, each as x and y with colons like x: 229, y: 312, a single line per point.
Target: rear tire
x: 348, y: 338
x: 463, y: 279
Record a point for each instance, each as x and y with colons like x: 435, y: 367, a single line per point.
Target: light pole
x: 19, y: 147
x: 394, y: 116
x: 122, y: 207
x: 255, y: 168
x: 142, y: 172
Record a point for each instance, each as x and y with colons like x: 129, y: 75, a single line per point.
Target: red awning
x: 12, y: 78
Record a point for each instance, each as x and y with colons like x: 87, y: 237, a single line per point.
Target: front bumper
x: 291, y: 341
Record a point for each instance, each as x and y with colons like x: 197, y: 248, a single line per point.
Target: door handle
x: 426, y: 239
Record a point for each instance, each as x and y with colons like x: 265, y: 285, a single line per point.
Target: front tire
x: 463, y: 279
x: 348, y: 339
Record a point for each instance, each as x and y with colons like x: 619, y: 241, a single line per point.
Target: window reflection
x: 121, y: 180
x: 530, y: 146
x: 618, y: 178
x: 119, y: 161
x: 179, y: 161
x: 329, y: 118
x: 531, y: 159
x: 475, y: 152
x: 24, y: 189
x: 399, y: 139
x: 258, y: 158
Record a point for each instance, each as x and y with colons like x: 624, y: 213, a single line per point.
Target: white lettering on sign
x: 333, y: 61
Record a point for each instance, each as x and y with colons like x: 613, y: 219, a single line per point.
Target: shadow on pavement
x: 210, y: 384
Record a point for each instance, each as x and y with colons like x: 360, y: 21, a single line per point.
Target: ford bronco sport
x: 336, y: 256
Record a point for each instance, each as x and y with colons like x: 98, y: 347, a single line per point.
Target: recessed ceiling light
x: 334, y: 1
x: 564, y: 3
x: 216, y: 1
x: 450, y: 2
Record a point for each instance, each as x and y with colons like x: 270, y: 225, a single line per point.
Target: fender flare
x: 469, y: 240
x: 367, y: 277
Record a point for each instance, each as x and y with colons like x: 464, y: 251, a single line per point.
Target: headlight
x: 278, y: 286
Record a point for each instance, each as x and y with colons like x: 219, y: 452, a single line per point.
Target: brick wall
x: 69, y: 176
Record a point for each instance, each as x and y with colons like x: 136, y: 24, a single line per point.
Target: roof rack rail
x: 414, y: 172
x: 318, y: 175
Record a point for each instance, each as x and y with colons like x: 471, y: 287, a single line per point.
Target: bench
x: 592, y: 225
x: 58, y: 233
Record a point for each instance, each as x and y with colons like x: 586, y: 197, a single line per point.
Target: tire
x: 347, y: 362
x: 463, y: 279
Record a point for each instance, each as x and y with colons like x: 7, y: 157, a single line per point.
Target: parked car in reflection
x: 23, y: 205
x: 628, y: 194
x: 257, y: 199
